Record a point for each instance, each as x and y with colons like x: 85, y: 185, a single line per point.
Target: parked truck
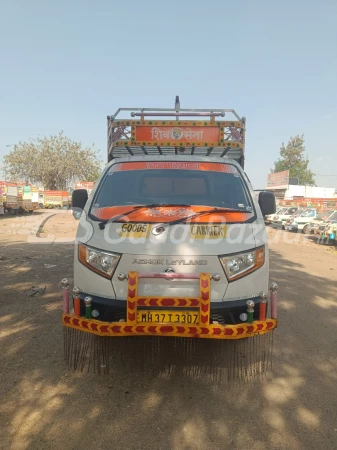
x: 56, y: 199
x: 171, y: 240
x: 18, y: 198
x: 2, y: 209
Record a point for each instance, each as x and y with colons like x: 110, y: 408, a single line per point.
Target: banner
x: 170, y: 135
x: 278, y: 180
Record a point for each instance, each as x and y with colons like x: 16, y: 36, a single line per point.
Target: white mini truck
x: 171, y: 241
x: 282, y: 217
x: 302, y: 222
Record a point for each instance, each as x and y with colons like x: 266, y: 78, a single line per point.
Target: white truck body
x: 173, y: 213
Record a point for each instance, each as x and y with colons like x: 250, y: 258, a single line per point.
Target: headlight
x: 100, y: 262
x: 237, y: 266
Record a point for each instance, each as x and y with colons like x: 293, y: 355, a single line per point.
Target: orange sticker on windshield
x: 181, y: 165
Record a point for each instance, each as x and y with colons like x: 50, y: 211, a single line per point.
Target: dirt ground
x: 45, y: 406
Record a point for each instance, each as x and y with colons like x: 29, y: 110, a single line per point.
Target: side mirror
x: 78, y: 200
x: 267, y: 203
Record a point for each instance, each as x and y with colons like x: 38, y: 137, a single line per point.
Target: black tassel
x: 86, y: 352
x: 218, y: 361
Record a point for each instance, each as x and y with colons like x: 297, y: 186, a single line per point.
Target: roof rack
x: 162, y: 135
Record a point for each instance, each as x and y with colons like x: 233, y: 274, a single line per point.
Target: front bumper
x: 328, y: 234
x: 207, y: 327
x: 116, y: 310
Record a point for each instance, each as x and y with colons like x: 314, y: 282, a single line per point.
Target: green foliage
x: 292, y: 159
x: 54, y: 162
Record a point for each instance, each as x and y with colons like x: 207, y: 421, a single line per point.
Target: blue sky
x: 66, y: 65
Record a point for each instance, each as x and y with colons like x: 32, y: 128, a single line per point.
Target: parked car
x: 269, y: 219
x: 327, y: 232
x: 321, y: 219
x: 301, y: 222
x: 290, y: 218
x: 280, y: 219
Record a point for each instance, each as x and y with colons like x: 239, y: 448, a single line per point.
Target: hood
x: 179, y: 248
x: 182, y: 239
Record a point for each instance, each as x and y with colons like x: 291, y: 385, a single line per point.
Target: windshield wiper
x: 198, y: 214
x: 135, y: 208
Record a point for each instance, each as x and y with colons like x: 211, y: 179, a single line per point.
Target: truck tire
x: 11, y: 211
x: 305, y: 229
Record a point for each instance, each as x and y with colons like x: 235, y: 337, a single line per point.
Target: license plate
x: 165, y: 316
x: 135, y: 230
x: 208, y: 231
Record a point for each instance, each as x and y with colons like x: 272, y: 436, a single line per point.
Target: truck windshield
x: 172, y: 187
x: 332, y: 217
x: 324, y: 215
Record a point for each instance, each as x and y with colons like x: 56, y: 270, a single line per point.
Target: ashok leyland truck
x: 171, y: 240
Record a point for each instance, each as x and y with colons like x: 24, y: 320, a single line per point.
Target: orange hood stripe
x: 169, y: 213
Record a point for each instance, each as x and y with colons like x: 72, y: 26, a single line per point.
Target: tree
x: 53, y: 161
x: 292, y: 159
